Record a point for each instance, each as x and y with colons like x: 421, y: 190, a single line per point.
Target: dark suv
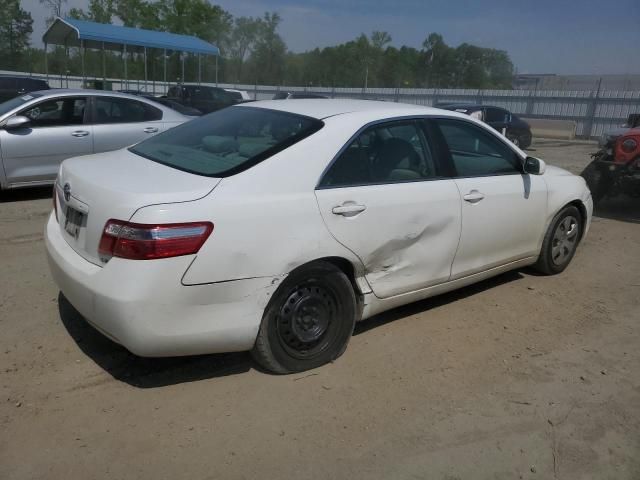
x: 517, y: 130
x: 203, y: 98
x: 11, y: 87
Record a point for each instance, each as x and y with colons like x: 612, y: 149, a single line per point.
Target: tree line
x: 252, y: 50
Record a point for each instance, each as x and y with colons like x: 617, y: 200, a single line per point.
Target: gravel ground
x: 521, y: 376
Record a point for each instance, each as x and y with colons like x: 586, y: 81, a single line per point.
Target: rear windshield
x: 9, y: 105
x: 227, y: 141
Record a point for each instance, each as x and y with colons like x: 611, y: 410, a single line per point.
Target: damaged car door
x: 387, y: 199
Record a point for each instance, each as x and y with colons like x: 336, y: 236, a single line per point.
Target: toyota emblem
x: 67, y: 192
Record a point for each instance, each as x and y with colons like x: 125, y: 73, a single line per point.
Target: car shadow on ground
x: 25, y: 194
x: 146, y: 372
x: 159, y: 372
x: 622, y: 208
x: 434, y: 302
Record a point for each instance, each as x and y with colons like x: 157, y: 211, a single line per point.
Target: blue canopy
x: 71, y: 32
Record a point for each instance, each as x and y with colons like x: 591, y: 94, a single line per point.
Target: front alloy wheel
x: 560, y: 241
x: 565, y: 240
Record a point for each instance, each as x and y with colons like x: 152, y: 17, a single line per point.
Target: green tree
x: 268, y: 57
x: 55, y: 7
x: 100, y: 11
x: 16, y: 26
x: 241, y: 43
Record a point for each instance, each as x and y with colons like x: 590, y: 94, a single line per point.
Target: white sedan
x: 274, y: 226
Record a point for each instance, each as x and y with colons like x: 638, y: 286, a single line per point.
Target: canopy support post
x: 145, y: 69
x: 66, y: 62
x: 199, y: 70
x: 82, y: 60
x: 46, y: 61
x: 126, y: 76
x: 164, y: 56
x: 183, y: 55
x: 104, y: 66
x: 216, y: 70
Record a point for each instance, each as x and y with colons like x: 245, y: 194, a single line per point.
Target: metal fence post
x: 529, y: 108
x: 591, y: 112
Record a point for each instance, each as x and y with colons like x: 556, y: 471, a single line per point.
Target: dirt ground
x: 521, y: 376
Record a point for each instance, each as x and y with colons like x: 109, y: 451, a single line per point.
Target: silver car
x: 41, y: 129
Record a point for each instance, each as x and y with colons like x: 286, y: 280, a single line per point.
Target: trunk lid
x: 93, y: 189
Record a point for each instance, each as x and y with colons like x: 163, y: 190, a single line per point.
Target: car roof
x: 466, y: 106
x: 321, y: 108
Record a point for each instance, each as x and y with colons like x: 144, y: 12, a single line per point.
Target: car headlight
x: 629, y: 145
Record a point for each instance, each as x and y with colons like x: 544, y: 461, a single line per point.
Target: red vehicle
x: 615, y: 168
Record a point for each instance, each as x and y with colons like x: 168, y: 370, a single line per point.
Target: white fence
x: 594, y: 112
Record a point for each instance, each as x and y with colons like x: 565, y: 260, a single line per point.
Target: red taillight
x: 136, y: 241
x: 55, y: 202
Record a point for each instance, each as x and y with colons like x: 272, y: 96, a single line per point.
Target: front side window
x: 475, y: 152
x: 124, y: 110
x: 497, y: 115
x: 388, y: 153
x: 227, y: 141
x: 58, y: 112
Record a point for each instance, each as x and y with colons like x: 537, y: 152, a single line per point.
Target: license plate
x: 73, y: 222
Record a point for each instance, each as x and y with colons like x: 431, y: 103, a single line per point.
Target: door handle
x: 474, y: 196
x: 348, y: 209
x: 79, y: 133
x: 150, y: 130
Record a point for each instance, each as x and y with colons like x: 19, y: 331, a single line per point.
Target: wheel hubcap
x: 565, y: 239
x: 305, y: 318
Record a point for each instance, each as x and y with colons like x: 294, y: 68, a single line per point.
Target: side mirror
x: 17, y: 122
x: 534, y: 166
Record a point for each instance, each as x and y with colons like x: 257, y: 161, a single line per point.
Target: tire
x: 308, y: 321
x: 561, y: 241
x: 514, y: 139
x: 598, y: 181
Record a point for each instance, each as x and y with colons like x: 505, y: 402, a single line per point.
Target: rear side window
x: 389, y: 153
x: 31, y: 84
x: 124, y: 110
x: 227, y: 141
x: 497, y: 115
x: 7, y: 83
x: 58, y: 112
x: 477, y: 153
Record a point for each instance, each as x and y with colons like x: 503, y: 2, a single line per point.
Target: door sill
x: 377, y: 305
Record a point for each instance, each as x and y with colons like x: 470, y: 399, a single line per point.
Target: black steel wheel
x: 309, y: 320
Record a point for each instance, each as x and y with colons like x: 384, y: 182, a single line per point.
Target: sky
x: 543, y: 36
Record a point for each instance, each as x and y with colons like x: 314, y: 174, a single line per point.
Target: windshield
x: 9, y: 105
x: 227, y: 141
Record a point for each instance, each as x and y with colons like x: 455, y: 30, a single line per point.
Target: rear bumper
x: 143, y: 305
